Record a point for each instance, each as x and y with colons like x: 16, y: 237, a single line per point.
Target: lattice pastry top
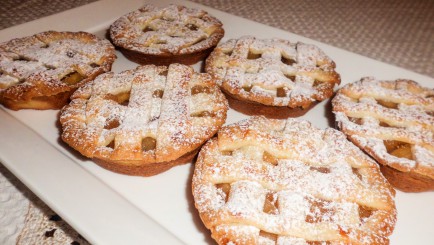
x: 268, y: 181
x: 151, y: 114
x: 273, y: 72
x: 41, y: 71
x: 172, y: 30
x: 392, y: 120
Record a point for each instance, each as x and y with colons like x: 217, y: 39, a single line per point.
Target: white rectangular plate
x: 109, y: 208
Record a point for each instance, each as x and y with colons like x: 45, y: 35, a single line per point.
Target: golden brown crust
x: 392, y: 121
x: 133, y: 121
x: 163, y: 36
x: 41, y: 71
x: 273, y: 72
x: 407, y: 181
x: 266, y: 181
x: 146, y: 170
x: 56, y: 101
x: 251, y: 108
x: 148, y: 59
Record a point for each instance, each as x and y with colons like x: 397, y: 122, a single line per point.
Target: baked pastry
x: 43, y: 70
x: 162, y: 36
x: 144, y: 121
x: 272, y: 77
x: 270, y: 181
x: 393, y: 121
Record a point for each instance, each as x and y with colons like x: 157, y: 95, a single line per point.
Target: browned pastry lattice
x: 394, y: 122
x: 174, y: 34
x: 43, y: 70
x: 267, y: 181
x: 273, y: 72
x: 146, y: 120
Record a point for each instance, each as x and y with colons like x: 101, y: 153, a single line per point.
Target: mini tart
x: 144, y: 121
x: 43, y: 70
x: 393, y: 121
x: 162, y: 36
x: 269, y: 181
x: 272, y: 77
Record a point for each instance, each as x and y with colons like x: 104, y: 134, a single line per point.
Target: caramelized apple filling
x: 111, y: 144
x: 270, y: 236
x: 248, y: 88
x: 287, y: 61
x: 161, y: 42
x: 94, y: 65
x: 22, y: 58
x: 319, y: 211
x: 123, y: 98
x: 317, y: 83
x: 281, y: 92
x: 388, y: 104
x: 224, y: 188
x: 271, y: 205
x: 228, y: 53
x: 253, y: 56
x: 356, y: 120
x: 192, y: 27
x: 226, y: 153
x: 158, y: 93
x: 357, y: 173
x: 365, y: 213
x: 73, y: 78
x: 148, y: 29
x: 203, y: 114
x: 164, y: 73
x: 290, y: 77
x: 399, y: 149
x: 383, y: 124
x: 200, y: 89
x: 267, y: 157
x: 149, y: 144
x: 118, y: 98
x: 111, y: 124
x: 323, y: 170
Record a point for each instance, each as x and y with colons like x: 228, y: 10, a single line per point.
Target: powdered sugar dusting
x: 394, y: 111
x: 38, y: 63
x: 116, y: 114
x: 272, y: 71
x: 309, y: 172
x: 173, y: 29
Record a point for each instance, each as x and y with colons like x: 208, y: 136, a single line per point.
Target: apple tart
x: 272, y: 77
x: 393, y: 121
x: 161, y: 36
x: 144, y: 121
x: 273, y: 181
x: 43, y: 70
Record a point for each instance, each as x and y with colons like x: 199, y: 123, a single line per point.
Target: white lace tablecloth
x: 25, y: 219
